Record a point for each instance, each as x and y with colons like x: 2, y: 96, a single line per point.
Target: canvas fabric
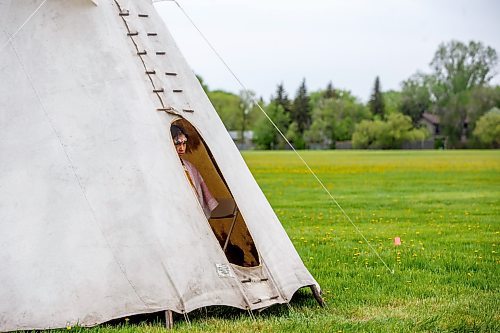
x: 97, y: 220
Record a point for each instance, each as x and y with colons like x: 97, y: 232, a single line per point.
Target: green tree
x: 301, y: 108
x: 415, y: 97
x: 228, y: 107
x: 334, y: 119
x: 265, y: 135
x: 247, y: 105
x: 481, y: 100
x: 457, y: 69
x: 388, y: 134
x: 281, y: 98
x: 293, y: 135
x: 392, y: 101
x: 376, y: 101
x: 367, y: 134
x: 487, y: 129
x: 329, y: 91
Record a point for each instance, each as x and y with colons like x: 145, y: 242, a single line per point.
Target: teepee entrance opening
x: 226, y: 221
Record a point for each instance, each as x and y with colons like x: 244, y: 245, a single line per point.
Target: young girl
x: 206, y: 199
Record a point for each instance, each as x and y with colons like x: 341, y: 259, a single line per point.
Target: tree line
x: 456, y: 91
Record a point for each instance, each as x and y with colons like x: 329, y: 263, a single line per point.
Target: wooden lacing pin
x: 143, y: 15
x: 177, y: 90
x: 168, y: 110
x: 170, y: 73
x: 124, y: 13
x: 188, y: 110
x: 160, y: 52
x: 152, y: 34
x: 150, y: 72
x: 246, y: 280
x: 133, y: 33
x: 142, y: 52
x: 158, y: 90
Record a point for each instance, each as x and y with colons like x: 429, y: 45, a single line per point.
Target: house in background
x: 244, y: 143
x: 431, y: 121
x: 433, y: 124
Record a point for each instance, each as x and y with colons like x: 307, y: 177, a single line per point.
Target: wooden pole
x: 317, y: 296
x: 169, y: 320
x: 230, y: 230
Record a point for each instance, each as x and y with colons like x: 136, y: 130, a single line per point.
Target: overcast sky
x: 348, y: 42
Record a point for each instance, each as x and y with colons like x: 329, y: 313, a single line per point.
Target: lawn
x: 445, y: 207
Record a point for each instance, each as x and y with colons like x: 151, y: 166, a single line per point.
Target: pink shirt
x: 206, y: 199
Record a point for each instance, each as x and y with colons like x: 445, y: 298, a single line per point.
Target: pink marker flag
x: 397, y: 241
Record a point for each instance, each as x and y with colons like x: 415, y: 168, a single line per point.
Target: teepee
x: 97, y: 218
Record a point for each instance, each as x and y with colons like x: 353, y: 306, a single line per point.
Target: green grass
x: 445, y: 206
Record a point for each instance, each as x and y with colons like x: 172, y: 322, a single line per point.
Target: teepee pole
x: 169, y: 319
x: 230, y: 230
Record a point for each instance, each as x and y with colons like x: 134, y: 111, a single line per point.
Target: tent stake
x: 169, y: 320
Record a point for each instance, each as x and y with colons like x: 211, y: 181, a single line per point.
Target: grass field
x: 445, y: 206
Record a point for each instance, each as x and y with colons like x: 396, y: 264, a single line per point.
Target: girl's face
x: 180, y: 143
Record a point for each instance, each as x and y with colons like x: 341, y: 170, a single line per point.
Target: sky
x: 347, y: 42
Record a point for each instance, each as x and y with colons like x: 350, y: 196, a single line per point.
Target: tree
x: 334, y: 119
x: 281, y: 98
x: 301, y: 108
x: 376, y: 101
x: 487, y: 129
x: 457, y: 69
x: 481, y: 100
x: 392, y: 101
x: 388, y: 134
x: 228, y: 107
x: 247, y: 103
x: 265, y: 135
x: 330, y: 91
x: 415, y: 97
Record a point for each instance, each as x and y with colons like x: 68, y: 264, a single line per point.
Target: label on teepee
x: 224, y: 270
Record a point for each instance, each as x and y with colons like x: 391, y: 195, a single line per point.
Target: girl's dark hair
x: 176, y: 131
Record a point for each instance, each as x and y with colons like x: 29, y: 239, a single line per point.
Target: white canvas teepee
x: 97, y: 219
